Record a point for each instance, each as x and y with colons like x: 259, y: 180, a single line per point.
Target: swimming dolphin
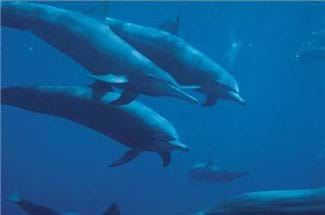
x: 210, y: 173
x: 113, y: 210
x: 32, y: 208
x: 134, y: 125
x: 35, y: 209
x: 282, y: 202
x: 94, y: 46
x: 185, y: 63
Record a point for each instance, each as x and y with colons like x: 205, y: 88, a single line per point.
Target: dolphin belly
x: 79, y: 104
x: 134, y: 125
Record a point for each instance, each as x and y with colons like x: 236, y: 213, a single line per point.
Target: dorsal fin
x: 171, y: 25
x: 98, y: 10
x: 113, y: 210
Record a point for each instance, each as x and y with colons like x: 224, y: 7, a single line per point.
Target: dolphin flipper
x: 171, y: 25
x: 166, y: 158
x: 113, y: 210
x: 127, y: 157
x: 210, y: 100
x: 125, y: 98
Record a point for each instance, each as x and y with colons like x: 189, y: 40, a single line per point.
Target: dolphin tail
x: 113, y: 210
x: 179, y: 93
x: 127, y: 157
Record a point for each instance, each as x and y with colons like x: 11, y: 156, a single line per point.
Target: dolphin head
x: 221, y: 84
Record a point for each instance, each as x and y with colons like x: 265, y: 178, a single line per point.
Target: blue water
x: 279, y: 137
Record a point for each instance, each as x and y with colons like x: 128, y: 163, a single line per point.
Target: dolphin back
x: 285, y: 202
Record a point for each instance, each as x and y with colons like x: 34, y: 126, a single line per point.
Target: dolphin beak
x: 236, y: 97
x: 179, y: 93
x: 180, y: 146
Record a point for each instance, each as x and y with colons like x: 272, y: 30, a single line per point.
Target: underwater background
x: 278, y: 137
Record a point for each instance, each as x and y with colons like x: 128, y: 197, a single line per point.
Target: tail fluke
x: 113, y: 210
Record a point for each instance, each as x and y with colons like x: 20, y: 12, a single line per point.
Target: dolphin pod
x: 94, y: 46
x: 32, y: 208
x: 281, y: 202
x: 184, y: 62
x: 134, y: 125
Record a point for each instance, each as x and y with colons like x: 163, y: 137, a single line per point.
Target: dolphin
x: 35, y: 209
x: 32, y: 208
x: 94, y: 46
x: 281, y: 202
x: 133, y: 125
x: 210, y: 173
x: 185, y: 63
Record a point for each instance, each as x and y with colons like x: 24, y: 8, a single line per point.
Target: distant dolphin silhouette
x: 94, y: 46
x: 32, y: 208
x: 35, y: 209
x: 185, y: 63
x: 134, y: 125
x: 282, y: 202
x: 210, y: 173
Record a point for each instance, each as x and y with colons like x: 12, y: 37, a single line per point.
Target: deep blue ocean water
x: 278, y: 137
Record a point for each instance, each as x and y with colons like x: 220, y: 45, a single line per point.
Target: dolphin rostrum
x: 133, y: 125
x: 184, y: 62
x: 94, y: 46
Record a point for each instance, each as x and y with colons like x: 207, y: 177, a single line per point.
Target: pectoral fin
x: 127, y: 157
x: 125, y: 98
x: 210, y: 100
x: 166, y: 158
x: 110, y: 78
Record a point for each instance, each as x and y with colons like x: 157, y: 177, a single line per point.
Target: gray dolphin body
x: 32, y: 208
x: 210, y: 173
x: 185, y: 63
x: 94, y: 46
x: 134, y: 125
x: 283, y: 202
